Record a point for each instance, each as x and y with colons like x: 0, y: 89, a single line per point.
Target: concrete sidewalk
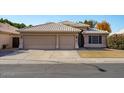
x: 62, y: 61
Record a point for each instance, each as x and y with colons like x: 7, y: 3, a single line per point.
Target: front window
x: 95, y: 39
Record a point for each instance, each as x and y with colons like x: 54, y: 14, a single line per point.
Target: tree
x: 22, y: 25
x: 1, y: 20
x: 104, y: 26
x: 17, y: 25
x: 30, y: 26
x: 116, y: 41
x: 92, y: 23
x: 80, y: 22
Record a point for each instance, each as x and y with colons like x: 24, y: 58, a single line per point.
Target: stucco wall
x: 5, y: 39
x: 87, y: 45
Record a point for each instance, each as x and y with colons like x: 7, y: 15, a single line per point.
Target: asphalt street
x: 81, y: 70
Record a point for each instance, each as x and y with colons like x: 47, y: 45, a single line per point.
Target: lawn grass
x: 101, y: 53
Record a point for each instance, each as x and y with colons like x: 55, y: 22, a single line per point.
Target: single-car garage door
x: 39, y: 42
x: 67, y: 42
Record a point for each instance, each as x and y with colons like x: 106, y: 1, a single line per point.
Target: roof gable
x: 95, y: 31
x: 6, y: 28
x: 73, y: 24
x: 50, y: 27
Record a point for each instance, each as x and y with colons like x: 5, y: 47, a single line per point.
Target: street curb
x: 63, y: 61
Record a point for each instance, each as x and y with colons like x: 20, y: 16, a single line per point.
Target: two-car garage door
x: 49, y: 42
x: 39, y: 42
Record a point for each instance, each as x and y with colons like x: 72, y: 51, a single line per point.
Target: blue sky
x: 116, y: 21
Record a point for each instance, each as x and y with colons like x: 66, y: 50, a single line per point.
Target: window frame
x: 91, y: 40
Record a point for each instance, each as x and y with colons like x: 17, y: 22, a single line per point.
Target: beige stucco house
x: 8, y: 35
x: 62, y: 35
x: 49, y: 36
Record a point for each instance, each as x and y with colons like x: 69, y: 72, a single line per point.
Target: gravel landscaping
x: 101, y: 53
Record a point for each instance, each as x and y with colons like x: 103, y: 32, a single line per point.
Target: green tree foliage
x: 92, y: 23
x: 116, y: 41
x: 17, y: 25
x: 30, y: 26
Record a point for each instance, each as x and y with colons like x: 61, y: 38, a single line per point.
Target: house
x: 62, y: 35
x: 49, y: 36
x: 9, y: 37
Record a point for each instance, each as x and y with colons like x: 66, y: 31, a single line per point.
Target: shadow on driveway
x: 10, y: 52
x: 5, y: 52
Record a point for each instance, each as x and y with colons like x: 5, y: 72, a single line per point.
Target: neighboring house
x: 49, y: 36
x: 9, y: 37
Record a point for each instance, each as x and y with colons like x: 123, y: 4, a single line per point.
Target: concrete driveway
x: 41, y: 55
x: 50, y: 57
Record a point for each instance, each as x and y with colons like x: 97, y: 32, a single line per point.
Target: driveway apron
x: 41, y: 55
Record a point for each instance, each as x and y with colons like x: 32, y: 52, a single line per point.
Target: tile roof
x: 6, y: 28
x: 95, y: 31
x: 50, y: 27
x: 73, y: 24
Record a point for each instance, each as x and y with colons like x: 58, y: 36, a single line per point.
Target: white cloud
x: 118, y: 32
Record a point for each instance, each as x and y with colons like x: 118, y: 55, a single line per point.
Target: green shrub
x: 116, y: 41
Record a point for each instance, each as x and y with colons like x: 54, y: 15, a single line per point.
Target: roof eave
x: 96, y: 33
x: 48, y: 31
x: 6, y: 32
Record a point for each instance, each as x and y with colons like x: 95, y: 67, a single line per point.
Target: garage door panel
x: 67, y: 42
x: 39, y: 42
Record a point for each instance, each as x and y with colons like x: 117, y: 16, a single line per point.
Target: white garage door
x: 39, y: 42
x: 67, y: 42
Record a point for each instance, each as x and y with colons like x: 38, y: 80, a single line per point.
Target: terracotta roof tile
x: 95, y: 31
x: 6, y: 28
x: 73, y: 24
x: 50, y: 27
